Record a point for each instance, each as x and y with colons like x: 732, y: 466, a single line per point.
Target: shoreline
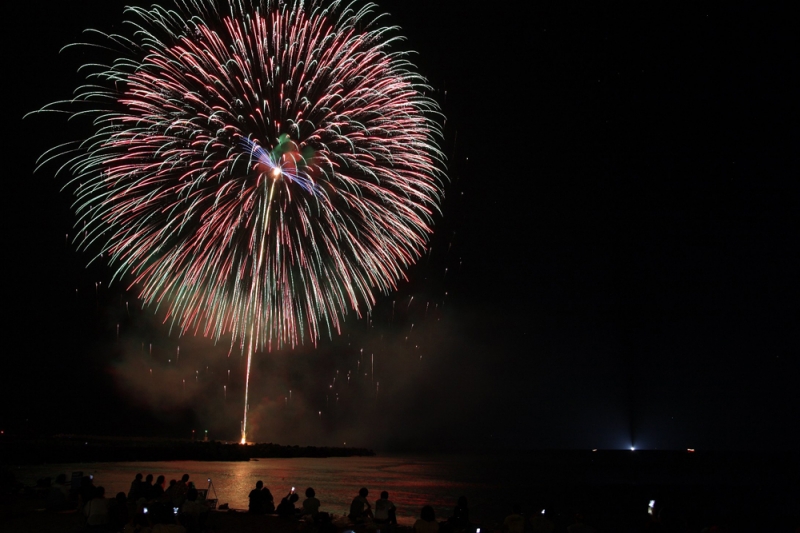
x: 91, y: 449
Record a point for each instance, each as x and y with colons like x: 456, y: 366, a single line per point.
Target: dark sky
x: 620, y: 234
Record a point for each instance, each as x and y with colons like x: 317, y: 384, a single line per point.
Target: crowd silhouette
x: 148, y: 507
x: 153, y: 505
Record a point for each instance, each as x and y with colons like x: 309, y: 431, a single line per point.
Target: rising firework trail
x: 258, y: 168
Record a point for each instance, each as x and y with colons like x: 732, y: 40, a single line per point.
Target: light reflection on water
x: 412, y: 481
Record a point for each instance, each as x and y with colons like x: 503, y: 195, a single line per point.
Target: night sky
x: 617, y: 261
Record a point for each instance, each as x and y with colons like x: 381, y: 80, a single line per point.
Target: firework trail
x: 257, y: 167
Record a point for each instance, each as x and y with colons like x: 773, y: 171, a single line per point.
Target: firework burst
x: 258, y: 168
